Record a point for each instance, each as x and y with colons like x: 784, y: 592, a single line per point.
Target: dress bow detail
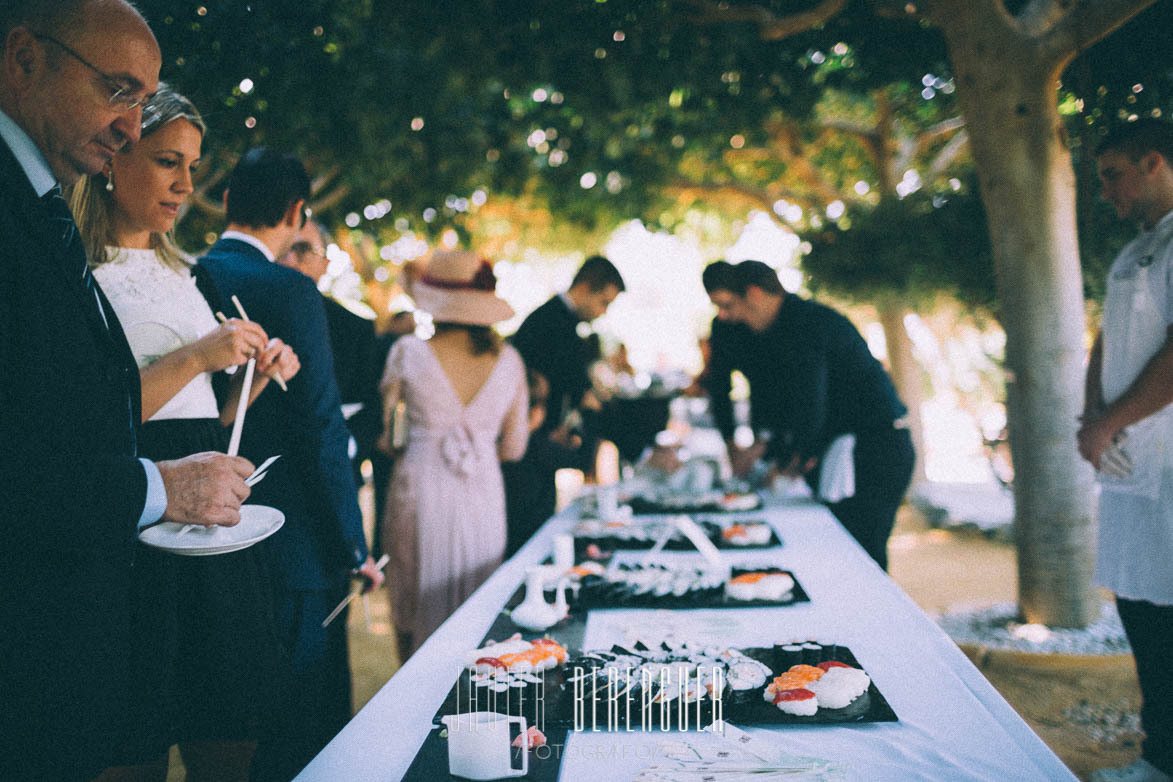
x: 458, y: 450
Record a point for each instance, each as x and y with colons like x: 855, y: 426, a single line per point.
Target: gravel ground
x: 1106, y: 723
x: 996, y: 627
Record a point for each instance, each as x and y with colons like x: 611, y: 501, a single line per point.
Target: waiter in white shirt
x: 1127, y: 431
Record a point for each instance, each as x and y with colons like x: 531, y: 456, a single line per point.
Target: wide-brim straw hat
x: 459, y: 287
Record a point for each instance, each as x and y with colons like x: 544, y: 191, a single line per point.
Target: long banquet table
x: 952, y: 724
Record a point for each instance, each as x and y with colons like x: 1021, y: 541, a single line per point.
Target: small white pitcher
x: 479, y: 746
x: 535, y: 613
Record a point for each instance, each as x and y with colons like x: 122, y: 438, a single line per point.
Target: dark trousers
x: 1149, y: 628
x: 316, y: 702
x: 884, y: 460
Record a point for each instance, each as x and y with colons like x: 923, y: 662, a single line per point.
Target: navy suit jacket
x: 352, y: 338
x: 71, y: 493
x: 312, y: 484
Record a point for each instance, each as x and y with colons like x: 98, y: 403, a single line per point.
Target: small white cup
x: 563, y: 552
x: 479, y: 746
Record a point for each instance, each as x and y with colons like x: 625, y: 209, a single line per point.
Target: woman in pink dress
x: 465, y: 399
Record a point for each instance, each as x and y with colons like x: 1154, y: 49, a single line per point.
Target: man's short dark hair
x: 719, y: 276
x: 1136, y: 139
x: 264, y: 184
x: 597, y: 272
x: 736, y: 278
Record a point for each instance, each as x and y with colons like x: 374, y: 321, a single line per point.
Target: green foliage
x: 1118, y: 78
x: 910, y: 249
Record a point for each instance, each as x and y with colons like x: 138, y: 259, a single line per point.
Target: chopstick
x: 241, y: 407
x: 276, y: 375
x: 382, y: 563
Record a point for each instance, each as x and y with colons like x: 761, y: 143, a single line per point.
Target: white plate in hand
x: 257, y: 522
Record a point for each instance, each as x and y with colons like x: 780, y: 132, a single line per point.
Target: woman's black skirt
x: 208, y: 653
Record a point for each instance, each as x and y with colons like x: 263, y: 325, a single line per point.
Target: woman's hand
x: 231, y: 344
x: 278, y: 357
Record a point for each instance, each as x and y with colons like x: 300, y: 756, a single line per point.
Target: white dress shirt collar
x: 241, y: 236
x: 569, y: 305
x: 26, y: 153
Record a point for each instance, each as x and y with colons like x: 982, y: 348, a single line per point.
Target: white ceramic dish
x: 257, y: 522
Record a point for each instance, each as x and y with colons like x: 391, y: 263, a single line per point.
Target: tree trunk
x: 907, y: 376
x: 1028, y: 188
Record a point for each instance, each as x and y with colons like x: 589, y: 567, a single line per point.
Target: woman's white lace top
x: 161, y: 310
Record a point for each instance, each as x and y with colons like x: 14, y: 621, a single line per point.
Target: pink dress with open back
x: 444, y: 523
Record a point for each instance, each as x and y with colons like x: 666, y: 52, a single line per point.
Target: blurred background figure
x: 812, y: 380
x: 352, y: 341
x: 549, y: 341
x: 466, y: 410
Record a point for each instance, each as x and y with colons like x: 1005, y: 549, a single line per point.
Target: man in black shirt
x: 549, y: 341
x: 811, y: 380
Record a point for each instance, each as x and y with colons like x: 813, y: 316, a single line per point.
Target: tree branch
x: 321, y: 181
x: 960, y: 15
x: 947, y: 155
x: 1084, y: 23
x: 1038, y: 17
x: 771, y: 27
x: 759, y: 197
x: 206, y: 205
x: 857, y: 129
x: 321, y: 203
x: 942, y: 128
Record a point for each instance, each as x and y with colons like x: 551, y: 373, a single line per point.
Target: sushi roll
x: 800, y: 702
x: 745, y: 678
x: 812, y: 653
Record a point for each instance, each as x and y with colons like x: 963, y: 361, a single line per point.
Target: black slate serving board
x: 707, y: 600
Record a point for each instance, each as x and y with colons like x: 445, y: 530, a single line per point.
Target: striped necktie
x: 75, y: 252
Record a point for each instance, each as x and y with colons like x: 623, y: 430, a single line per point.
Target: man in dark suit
x: 322, y: 540
x: 352, y: 339
x: 73, y: 76
x: 549, y: 341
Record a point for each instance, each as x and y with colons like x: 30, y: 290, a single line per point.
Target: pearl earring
x: 110, y: 182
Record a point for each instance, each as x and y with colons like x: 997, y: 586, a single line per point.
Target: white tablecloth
x: 953, y: 725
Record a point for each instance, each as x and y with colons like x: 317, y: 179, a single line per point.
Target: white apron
x: 1134, y: 558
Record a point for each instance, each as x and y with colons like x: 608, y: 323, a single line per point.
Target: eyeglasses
x: 302, y: 249
x: 121, y: 97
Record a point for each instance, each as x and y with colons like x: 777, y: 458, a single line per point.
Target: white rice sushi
x: 759, y: 586
x: 839, y: 686
x: 800, y: 702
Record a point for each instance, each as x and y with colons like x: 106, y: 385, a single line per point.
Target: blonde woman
x: 208, y: 649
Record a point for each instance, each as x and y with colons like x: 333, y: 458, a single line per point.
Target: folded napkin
x: 837, y: 476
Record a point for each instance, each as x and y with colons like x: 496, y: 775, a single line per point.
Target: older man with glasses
x: 73, y: 77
